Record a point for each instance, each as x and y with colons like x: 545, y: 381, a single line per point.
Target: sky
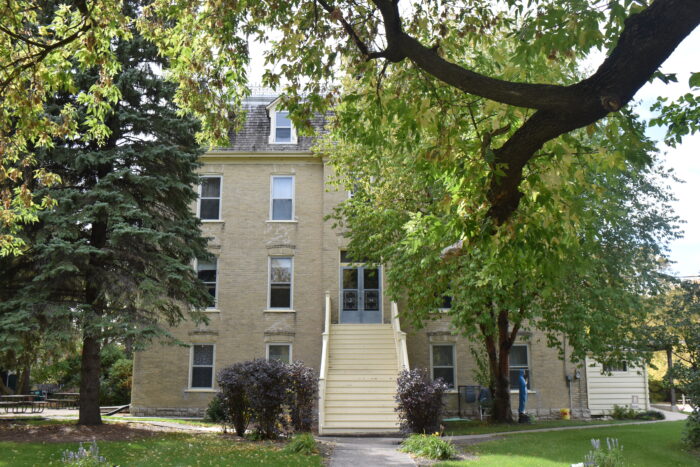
x: 684, y: 159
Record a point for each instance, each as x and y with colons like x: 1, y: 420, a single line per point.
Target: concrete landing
x: 368, y: 452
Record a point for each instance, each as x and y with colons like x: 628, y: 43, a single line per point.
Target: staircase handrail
x: 324, y: 362
x: 399, y: 337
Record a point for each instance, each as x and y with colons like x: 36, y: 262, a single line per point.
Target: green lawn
x: 168, y: 450
x: 194, y: 422
x: 653, y: 445
x: 476, y: 427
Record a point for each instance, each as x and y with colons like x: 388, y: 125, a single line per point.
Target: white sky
x: 684, y: 159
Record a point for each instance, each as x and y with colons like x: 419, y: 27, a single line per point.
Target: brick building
x: 284, y: 289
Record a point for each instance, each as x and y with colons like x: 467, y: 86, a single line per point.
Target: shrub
x: 115, y: 389
x: 649, y: 415
x: 302, y: 444
x: 690, y: 384
x: 267, y: 393
x: 430, y: 446
x: 215, y: 410
x: 257, y: 389
x: 621, y: 412
x: 303, y: 390
x: 234, y: 398
x: 601, y: 457
x: 419, y: 400
x: 84, y: 457
x: 691, y: 431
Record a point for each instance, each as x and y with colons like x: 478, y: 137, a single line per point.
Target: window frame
x: 192, y: 366
x: 273, y: 111
x: 272, y: 198
x: 454, y: 362
x: 608, y: 371
x: 216, y: 282
x: 269, y: 283
x: 528, y: 368
x: 199, y: 196
x: 286, y: 344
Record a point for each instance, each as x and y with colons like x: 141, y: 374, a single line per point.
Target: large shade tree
x: 208, y: 42
x: 576, y: 260
x: 113, y: 258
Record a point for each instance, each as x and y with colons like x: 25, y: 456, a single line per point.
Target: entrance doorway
x: 360, y: 295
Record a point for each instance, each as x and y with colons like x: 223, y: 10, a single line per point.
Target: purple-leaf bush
x: 419, y: 401
x: 303, y: 390
x: 262, y: 390
x: 234, y: 396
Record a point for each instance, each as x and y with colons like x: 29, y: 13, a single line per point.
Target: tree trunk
x: 498, y: 350
x: 90, y: 383
x: 4, y: 389
x: 672, y: 389
x: 23, y: 381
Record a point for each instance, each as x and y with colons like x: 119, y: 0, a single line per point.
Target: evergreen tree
x: 114, y: 256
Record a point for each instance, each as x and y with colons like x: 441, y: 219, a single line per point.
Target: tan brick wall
x: 549, y: 391
x: 242, y: 326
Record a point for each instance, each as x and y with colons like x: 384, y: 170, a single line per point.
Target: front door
x: 360, y: 295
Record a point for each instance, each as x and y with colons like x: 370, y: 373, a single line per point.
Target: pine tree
x: 114, y: 257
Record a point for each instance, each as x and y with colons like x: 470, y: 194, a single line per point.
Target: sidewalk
x: 367, y: 452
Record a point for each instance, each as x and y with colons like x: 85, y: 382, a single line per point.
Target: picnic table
x: 64, y: 399
x: 20, y: 403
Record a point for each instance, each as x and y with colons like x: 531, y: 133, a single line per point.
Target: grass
x: 172, y: 450
x: 476, y: 427
x: 198, y: 422
x: 656, y: 445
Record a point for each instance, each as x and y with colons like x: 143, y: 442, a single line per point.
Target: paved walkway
x: 368, y: 452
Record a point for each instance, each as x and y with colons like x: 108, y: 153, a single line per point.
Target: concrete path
x: 368, y: 452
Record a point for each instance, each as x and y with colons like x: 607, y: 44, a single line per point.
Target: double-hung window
x: 283, y: 131
x: 443, y: 363
x: 446, y: 303
x: 519, y: 359
x: 209, y: 208
x: 207, y: 272
x: 282, y: 204
x: 281, y: 352
x: 280, y: 283
x: 202, y: 366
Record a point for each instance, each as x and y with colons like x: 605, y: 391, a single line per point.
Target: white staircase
x: 360, y: 383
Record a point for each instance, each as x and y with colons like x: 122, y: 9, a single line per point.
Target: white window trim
x: 615, y: 372
x: 199, y: 196
x: 273, y: 127
x: 214, y: 308
x: 272, y: 186
x: 529, y: 365
x: 454, y: 363
x: 213, y: 368
x: 269, y: 284
x: 288, y: 344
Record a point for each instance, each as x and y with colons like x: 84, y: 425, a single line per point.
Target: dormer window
x: 281, y: 129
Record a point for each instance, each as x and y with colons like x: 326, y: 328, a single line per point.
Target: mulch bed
x: 18, y: 431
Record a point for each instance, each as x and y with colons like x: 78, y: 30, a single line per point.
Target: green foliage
x: 303, y: 443
x: 430, y: 446
x: 113, y: 259
x: 208, y: 44
x: 658, y: 390
x: 691, y: 431
x: 622, y: 412
x: 602, y: 457
x: 115, y: 389
x: 215, y: 410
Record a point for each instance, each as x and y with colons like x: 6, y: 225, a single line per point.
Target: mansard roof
x: 254, y: 135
